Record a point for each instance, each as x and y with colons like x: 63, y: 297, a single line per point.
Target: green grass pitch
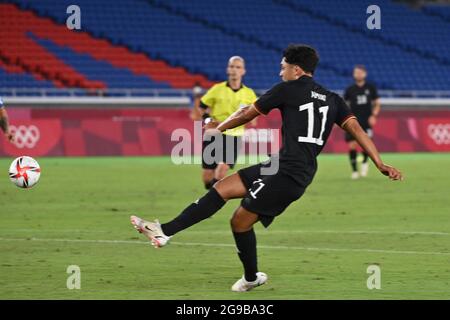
x: 319, y: 248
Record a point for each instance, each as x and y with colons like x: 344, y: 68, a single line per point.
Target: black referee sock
x: 366, y: 156
x: 246, y: 245
x: 209, y: 185
x: 353, y: 154
x: 203, y: 208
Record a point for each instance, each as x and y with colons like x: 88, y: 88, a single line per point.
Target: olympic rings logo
x: 25, y: 136
x: 440, y: 133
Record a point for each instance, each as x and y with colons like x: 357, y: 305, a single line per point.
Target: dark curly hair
x: 304, y: 56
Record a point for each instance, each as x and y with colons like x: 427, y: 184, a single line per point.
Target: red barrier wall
x: 130, y: 131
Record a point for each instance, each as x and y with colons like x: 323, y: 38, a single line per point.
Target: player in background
x: 4, y: 122
x: 309, y: 113
x: 219, y: 102
x: 365, y: 104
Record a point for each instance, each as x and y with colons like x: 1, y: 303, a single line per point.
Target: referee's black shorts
x: 224, y: 151
x: 268, y: 195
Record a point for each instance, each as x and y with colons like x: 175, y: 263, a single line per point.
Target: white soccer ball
x: 24, y: 172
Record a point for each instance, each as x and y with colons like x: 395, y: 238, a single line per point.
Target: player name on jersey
x: 319, y: 96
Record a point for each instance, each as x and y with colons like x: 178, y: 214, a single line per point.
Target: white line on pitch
x: 232, y: 246
x: 431, y: 233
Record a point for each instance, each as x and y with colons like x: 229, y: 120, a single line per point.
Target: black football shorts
x: 268, y: 195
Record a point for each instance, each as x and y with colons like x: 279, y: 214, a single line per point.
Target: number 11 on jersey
x: 309, y: 138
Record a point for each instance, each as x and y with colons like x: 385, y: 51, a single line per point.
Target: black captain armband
x: 203, y: 106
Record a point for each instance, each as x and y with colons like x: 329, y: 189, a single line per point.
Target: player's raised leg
x: 230, y: 187
x: 244, y: 235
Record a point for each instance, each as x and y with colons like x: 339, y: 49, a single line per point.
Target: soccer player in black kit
x: 365, y: 105
x: 309, y: 112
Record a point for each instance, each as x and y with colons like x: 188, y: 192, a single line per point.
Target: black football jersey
x: 308, y: 113
x: 361, y: 100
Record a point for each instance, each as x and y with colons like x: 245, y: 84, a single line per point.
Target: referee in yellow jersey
x: 222, y: 100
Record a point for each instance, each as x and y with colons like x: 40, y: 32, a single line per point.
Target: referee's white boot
x: 355, y: 175
x: 243, y: 285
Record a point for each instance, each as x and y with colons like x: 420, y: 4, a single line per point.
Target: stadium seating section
x: 177, y: 43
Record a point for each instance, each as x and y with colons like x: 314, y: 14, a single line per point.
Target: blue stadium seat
x: 409, y: 52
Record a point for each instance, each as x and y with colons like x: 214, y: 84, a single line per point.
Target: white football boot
x: 152, y: 230
x: 355, y: 175
x: 243, y: 285
x: 364, y: 169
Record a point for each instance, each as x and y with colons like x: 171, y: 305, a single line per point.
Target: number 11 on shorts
x: 261, y: 185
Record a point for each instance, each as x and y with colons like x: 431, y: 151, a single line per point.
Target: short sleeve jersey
x: 308, y: 113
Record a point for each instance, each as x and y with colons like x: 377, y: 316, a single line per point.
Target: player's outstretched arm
x: 352, y: 127
x: 238, y: 118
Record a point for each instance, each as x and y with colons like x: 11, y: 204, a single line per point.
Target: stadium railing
x: 183, y: 97
x: 155, y: 92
